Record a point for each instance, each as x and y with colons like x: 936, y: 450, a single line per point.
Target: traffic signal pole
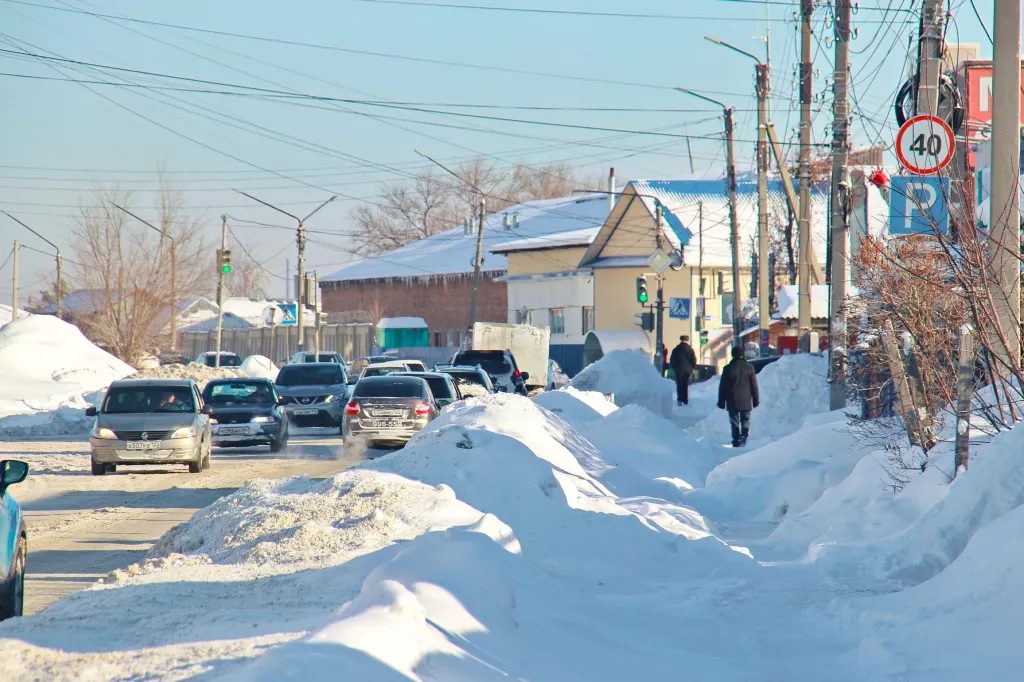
x: 220, y: 284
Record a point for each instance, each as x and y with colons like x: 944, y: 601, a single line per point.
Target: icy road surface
x: 82, y: 527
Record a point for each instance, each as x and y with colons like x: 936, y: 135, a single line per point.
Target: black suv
x: 500, y: 365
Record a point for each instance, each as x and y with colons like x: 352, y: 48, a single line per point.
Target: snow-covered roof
x: 684, y: 201
x: 452, y: 252
x: 402, y: 323
x: 81, y: 302
x: 562, y: 239
x: 231, y: 321
x: 251, y: 310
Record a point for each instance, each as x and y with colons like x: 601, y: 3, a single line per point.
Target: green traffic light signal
x: 641, y: 289
x: 226, y: 268
x: 642, y: 297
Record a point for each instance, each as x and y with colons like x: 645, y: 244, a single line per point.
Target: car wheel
x: 209, y: 456
x: 98, y: 469
x: 196, y: 466
x: 13, y: 602
x: 277, y: 445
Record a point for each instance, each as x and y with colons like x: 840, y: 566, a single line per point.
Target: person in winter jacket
x: 737, y: 393
x: 683, y: 361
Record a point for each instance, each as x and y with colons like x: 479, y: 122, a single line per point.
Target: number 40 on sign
x: 925, y: 145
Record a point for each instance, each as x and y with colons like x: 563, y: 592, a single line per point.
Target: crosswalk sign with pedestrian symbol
x: 290, y: 311
x: 679, y: 308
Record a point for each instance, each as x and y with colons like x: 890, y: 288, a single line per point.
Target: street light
x: 734, y: 236
x: 300, y: 239
x: 174, y: 272
x: 761, y: 89
x: 60, y: 264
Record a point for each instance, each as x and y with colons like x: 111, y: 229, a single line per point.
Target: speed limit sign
x: 925, y: 145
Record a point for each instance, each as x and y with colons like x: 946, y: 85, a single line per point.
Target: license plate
x: 388, y: 413
x: 385, y: 424
x: 143, y: 445
x: 305, y: 412
x: 231, y: 430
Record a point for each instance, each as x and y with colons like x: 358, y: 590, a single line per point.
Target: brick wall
x: 444, y: 304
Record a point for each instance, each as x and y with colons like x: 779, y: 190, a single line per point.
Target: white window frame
x: 559, y: 328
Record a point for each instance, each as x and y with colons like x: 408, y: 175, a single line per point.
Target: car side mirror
x: 91, y: 411
x: 524, y: 375
x: 501, y: 389
x: 11, y: 471
x: 281, y: 400
x: 207, y: 409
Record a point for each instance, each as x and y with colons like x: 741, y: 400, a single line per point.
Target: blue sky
x: 62, y: 140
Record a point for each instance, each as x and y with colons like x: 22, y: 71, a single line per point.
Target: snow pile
x: 50, y: 373
x: 200, y: 373
x: 5, y: 314
x: 791, y: 389
x: 261, y: 367
x: 631, y: 377
x: 574, y: 406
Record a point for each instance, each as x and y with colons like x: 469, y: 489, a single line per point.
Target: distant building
x: 433, y: 277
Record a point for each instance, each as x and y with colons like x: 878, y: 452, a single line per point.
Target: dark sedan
x: 246, y: 412
x: 442, y: 385
x: 471, y: 381
x: 389, y: 409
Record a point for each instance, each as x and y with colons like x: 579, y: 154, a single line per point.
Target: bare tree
x: 125, y: 269
x: 248, y: 277
x: 430, y: 203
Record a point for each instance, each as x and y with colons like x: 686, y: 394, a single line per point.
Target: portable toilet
x: 402, y: 332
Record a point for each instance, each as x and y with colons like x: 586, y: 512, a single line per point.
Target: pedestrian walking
x: 737, y: 393
x: 683, y: 361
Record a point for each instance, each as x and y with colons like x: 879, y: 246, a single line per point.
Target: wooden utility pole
x: 929, y: 57
x: 14, y: 289
x: 1004, y: 242
x: 965, y: 392
x: 734, y: 230
x: 316, y: 311
x: 763, y: 293
x: 477, y: 264
x: 220, y: 285
x: 899, y: 379
x: 840, y: 237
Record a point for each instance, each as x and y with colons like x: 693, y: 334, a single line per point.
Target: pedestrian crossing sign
x: 679, y: 308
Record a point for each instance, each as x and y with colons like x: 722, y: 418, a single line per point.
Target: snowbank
x: 791, y: 389
x: 50, y: 372
x: 630, y: 375
x: 260, y: 366
x: 5, y: 314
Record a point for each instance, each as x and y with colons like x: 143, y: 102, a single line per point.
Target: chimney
x: 611, y: 189
x: 508, y: 222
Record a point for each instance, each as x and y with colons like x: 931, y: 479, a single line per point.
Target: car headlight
x: 330, y: 398
x: 262, y: 420
x: 103, y: 432
x: 212, y: 420
x: 184, y: 432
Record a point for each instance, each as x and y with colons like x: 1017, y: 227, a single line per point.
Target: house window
x: 450, y: 338
x: 588, y: 319
x: 524, y: 316
x: 727, y: 299
x: 437, y: 338
x: 558, y: 320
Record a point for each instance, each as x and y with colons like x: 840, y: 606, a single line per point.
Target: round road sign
x: 924, y: 145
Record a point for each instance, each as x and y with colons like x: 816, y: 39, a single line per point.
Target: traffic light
x: 321, y: 319
x: 224, y: 260
x: 645, y: 321
x: 703, y: 336
x: 641, y: 290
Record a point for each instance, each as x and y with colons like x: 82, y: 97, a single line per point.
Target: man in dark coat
x: 682, y: 361
x: 738, y: 394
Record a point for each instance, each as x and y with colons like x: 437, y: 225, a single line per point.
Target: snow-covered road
x: 83, y: 527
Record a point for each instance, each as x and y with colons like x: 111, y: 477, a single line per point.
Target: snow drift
x: 631, y: 377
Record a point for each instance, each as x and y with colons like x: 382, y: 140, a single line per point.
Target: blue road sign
x: 291, y: 313
x: 679, y: 308
x: 917, y: 205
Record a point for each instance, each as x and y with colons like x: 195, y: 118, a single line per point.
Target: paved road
x: 82, y: 527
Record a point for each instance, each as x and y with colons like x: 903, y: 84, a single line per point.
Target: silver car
x: 389, y: 409
x: 315, y: 393
x: 150, y: 421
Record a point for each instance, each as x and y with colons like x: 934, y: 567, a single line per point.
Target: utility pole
x: 840, y: 237
x: 174, y: 272
x: 734, y: 230
x: 700, y: 277
x: 477, y: 263
x: 300, y: 241
x: 14, y: 295
x: 220, y: 284
x: 929, y: 58
x: 804, y: 218
x: 316, y: 312
x: 60, y: 264
x: 1004, y: 243
x: 659, y: 334
x: 761, y: 73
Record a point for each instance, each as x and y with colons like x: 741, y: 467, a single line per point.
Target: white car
x: 377, y: 369
x: 556, y: 377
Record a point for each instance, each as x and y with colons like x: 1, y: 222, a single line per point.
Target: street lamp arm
x: 448, y: 170
x: 260, y: 201
x: 703, y: 97
x: 144, y: 222
x: 318, y: 208
x: 56, y: 248
x: 716, y: 41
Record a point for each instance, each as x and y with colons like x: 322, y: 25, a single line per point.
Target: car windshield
x: 440, y: 387
x: 493, y: 361
x: 324, y: 357
x: 300, y: 375
x: 382, y: 371
x: 239, y: 393
x: 141, y: 399
x: 225, y: 361
x: 396, y: 387
x: 470, y: 383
